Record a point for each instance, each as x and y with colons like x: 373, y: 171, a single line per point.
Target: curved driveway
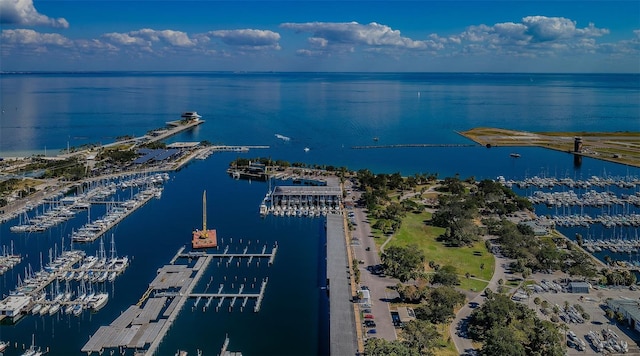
x: 458, y: 327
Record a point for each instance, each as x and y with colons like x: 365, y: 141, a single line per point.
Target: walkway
x: 342, y: 328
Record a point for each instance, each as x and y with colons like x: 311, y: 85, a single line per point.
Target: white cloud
x: 171, y: 37
x: 125, y: 39
x: 330, y: 34
x: 32, y: 38
x: 248, y: 38
x: 317, y: 42
x: 23, y: 13
x: 534, y: 36
x: 150, y: 41
x: 543, y: 28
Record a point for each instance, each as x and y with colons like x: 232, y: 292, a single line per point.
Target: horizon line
x: 301, y: 72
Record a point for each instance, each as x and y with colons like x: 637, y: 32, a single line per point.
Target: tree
x: 502, y: 341
x: 545, y: 340
x: 440, y: 305
x: 420, y: 335
x: 446, y: 276
x: 382, y: 347
x: 579, y: 239
x: 403, y: 263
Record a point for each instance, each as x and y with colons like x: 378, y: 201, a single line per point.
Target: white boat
x: 112, y: 276
x: 45, y: 309
x: 77, y: 309
x: 36, y: 309
x: 99, y: 301
x: 54, y: 309
x: 69, y: 309
x: 3, y: 345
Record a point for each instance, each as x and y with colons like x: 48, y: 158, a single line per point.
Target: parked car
x: 368, y: 316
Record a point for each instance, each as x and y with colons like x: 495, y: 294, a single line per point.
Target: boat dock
x: 146, y: 323
x: 309, y: 201
x: 93, y: 230
x: 234, y: 297
x: 230, y: 256
x: 143, y: 326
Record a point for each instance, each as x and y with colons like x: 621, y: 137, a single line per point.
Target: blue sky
x: 384, y: 36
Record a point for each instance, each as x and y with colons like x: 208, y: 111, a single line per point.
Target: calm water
x: 328, y: 113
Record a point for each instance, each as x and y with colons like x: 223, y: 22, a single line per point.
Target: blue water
x: 329, y: 114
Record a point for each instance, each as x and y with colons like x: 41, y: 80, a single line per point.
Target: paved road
x: 363, y: 239
x: 458, y: 327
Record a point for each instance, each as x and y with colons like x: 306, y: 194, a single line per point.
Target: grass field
x: 414, y: 230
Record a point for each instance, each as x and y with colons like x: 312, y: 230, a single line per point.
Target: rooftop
x: 307, y: 190
x: 632, y: 307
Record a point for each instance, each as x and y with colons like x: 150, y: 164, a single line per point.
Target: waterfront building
x: 13, y: 305
x: 629, y: 308
x: 579, y: 287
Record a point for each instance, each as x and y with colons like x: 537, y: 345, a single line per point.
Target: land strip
x: 618, y: 147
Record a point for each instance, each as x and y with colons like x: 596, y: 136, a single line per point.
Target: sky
x: 321, y: 36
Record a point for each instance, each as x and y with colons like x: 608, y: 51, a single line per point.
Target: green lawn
x: 473, y: 285
x: 464, y: 259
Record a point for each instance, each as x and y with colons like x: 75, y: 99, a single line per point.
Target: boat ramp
x: 143, y: 326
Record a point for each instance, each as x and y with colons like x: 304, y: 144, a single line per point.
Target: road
x: 362, y: 239
x: 458, y: 327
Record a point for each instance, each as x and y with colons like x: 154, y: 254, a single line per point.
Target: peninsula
x: 619, y: 147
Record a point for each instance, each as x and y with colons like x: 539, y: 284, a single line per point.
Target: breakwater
x: 406, y: 145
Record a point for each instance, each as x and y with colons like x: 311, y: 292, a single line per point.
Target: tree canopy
x: 404, y: 263
x: 509, y: 328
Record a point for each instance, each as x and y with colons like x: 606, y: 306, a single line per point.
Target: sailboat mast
x: 204, y: 213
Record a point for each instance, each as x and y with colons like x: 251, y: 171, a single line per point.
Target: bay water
x: 328, y: 113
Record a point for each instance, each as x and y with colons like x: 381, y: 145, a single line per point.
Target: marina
x: 63, y: 208
x: 603, y: 210
x: 116, y: 212
x: 143, y: 326
x: 339, y: 125
x: 308, y: 201
x: 39, y: 293
x: 8, y: 259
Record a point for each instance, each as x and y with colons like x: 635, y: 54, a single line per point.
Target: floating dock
x: 143, y: 326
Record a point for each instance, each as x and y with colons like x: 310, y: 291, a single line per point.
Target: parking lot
x: 594, y: 304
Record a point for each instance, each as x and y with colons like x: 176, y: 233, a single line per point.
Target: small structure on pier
x: 204, y: 238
